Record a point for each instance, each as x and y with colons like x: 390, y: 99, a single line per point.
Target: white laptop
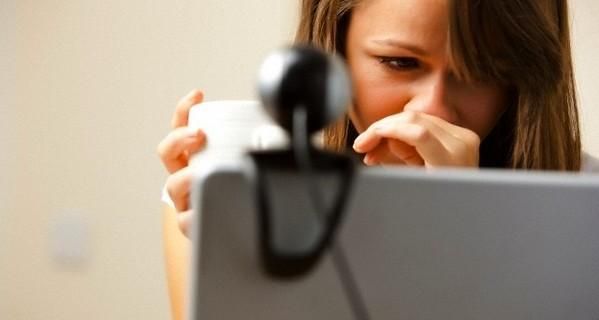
x: 417, y: 244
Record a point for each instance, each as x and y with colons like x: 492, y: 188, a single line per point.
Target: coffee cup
x: 232, y: 128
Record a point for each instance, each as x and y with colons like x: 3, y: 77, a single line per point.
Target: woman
x: 436, y: 83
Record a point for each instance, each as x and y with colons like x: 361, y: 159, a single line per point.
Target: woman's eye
x: 400, y: 63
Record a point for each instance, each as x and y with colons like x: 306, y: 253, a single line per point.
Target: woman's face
x: 397, y: 51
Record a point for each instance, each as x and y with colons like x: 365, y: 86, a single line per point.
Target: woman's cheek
x: 482, y: 115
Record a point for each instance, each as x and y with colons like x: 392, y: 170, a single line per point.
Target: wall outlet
x: 70, y: 239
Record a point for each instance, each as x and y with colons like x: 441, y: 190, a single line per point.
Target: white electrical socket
x: 70, y: 239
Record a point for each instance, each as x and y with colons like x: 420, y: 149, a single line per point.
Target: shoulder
x: 589, y: 163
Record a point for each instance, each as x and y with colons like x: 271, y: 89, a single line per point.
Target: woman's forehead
x: 391, y: 24
x: 422, y: 23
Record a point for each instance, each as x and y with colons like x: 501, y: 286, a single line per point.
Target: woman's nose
x: 433, y: 97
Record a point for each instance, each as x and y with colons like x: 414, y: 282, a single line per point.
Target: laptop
x: 414, y: 244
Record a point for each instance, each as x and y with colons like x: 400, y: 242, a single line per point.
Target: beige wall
x: 7, y: 139
x: 96, y: 84
x: 586, y: 53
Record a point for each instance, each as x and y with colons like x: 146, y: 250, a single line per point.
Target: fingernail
x: 368, y: 159
x: 358, y: 142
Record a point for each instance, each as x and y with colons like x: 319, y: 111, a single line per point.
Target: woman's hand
x: 174, y: 151
x: 418, y: 139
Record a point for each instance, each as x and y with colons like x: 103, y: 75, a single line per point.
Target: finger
x: 462, y: 144
x: 372, y: 157
x: 367, y: 141
x: 457, y: 131
x: 408, y: 154
x: 181, y: 114
x: 453, y: 137
x: 445, y: 134
x: 175, y: 148
x: 185, y: 220
x: 178, y: 186
x: 381, y: 155
x: 437, y: 141
x: 428, y: 146
x: 411, y: 117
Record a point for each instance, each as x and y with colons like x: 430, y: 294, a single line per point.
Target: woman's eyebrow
x: 390, y: 42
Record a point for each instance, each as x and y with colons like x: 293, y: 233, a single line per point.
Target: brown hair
x: 520, y: 44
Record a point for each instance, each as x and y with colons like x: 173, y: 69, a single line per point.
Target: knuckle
x: 422, y: 135
x: 470, y: 137
x: 176, y: 189
x: 475, y: 140
x: 411, y: 116
x: 162, y: 149
x: 164, y: 146
x: 173, y: 182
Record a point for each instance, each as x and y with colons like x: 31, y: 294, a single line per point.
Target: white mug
x: 232, y: 128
